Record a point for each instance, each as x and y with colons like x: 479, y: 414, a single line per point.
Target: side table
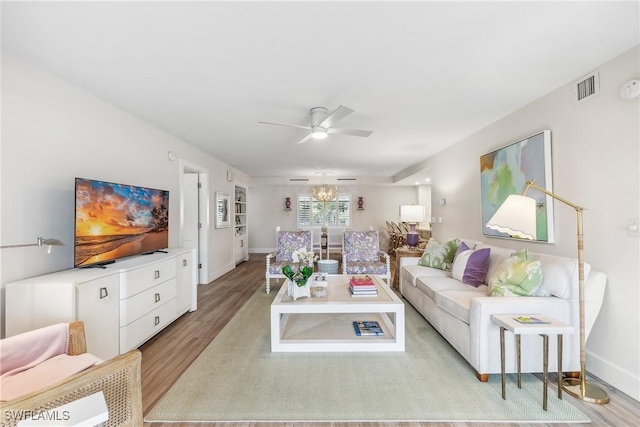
x: 403, y: 252
x: 541, y: 325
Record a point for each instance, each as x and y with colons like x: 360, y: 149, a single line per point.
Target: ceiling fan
x: 321, y: 124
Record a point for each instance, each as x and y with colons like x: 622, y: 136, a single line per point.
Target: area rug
x: 238, y: 378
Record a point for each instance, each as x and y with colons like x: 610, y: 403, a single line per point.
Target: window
x: 314, y: 213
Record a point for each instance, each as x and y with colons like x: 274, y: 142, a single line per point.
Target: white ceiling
x: 420, y: 75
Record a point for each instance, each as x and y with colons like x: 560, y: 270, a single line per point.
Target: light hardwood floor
x: 166, y: 356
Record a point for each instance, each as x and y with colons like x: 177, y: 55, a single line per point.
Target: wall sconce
x: 40, y: 242
x: 287, y: 204
x: 360, y: 203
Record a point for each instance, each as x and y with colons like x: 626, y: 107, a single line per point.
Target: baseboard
x: 619, y: 378
x: 261, y: 250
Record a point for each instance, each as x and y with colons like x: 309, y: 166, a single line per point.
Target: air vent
x: 346, y: 179
x: 587, y: 87
x: 298, y: 179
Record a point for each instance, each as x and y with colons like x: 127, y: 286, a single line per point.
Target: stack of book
x: 362, y: 287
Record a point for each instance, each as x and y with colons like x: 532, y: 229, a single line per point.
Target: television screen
x: 115, y: 221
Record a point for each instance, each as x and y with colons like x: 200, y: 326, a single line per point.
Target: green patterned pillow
x: 439, y: 255
x: 519, y: 275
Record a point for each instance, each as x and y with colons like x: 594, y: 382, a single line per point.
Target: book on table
x: 362, y: 286
x: 529, y: 320
x: 367, y: 328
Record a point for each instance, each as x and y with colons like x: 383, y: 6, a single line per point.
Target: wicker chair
x: 118, y: 379
x: 287, y: 241
x: 361, y: 254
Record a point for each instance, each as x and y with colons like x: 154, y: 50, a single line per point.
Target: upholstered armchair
x: 50, y: 368
x: 361, y: 254
x: 287, y: 242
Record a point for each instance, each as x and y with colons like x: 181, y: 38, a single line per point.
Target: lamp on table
x: 517, y: 217
x: 412, y: 214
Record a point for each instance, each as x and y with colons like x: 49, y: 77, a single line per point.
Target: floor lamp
x: 517, y: 217
x: 40, y: 242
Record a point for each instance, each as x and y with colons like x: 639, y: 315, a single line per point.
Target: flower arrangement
x: 303, y: 271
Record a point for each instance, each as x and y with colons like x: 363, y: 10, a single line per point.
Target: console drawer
x: 136, y: 333
x: 140, y: 304
x: 137, y: 280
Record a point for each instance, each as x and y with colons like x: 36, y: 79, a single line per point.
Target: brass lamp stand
x: 513, y: 212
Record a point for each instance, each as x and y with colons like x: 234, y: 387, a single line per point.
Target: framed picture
x: 507, y: 170
x: 222, y: 210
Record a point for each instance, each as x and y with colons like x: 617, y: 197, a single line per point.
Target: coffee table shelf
x: 325, y: 324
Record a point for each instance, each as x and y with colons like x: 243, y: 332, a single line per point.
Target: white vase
x: 296, y: 291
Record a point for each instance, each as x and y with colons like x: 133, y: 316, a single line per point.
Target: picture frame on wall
x: 506, y: 171
x: 222, y: 210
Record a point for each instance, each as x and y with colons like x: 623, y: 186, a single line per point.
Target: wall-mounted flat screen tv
x: 116, y: 220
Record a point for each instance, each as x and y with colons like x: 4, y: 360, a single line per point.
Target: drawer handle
x: 103, y: 293
x: 184, y: 262
x: 156, y: 321
x: 157, y: 274
x: 157, y: 297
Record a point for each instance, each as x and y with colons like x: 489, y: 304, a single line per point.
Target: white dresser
x: 122, y: 306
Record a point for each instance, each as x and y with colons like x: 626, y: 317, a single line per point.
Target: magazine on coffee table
x: 364, y: 328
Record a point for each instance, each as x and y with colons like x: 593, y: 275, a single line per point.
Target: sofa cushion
x: 412, y: 272
x: 470, y: 266
x: 430, y: 286
x: 439, y: 255
x: 458, y: 302
x: 559, y: 276
x: 519, y: 275
x: 496, y: 256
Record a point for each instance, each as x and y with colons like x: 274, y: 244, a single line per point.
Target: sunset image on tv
x: 115, y: 221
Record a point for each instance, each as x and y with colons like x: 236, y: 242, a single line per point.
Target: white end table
x: 545, y: 327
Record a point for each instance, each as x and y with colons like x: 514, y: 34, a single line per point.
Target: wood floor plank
x: 166, y: 356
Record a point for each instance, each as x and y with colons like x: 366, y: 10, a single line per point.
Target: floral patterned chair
x: 288, y: 241
x: 361, y: 254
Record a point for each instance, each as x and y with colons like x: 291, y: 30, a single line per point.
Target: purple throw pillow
x: 470, y: 266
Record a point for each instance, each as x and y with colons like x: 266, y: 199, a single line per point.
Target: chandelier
x: 324, y: 193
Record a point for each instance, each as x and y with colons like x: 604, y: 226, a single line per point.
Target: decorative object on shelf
x: 506, y: 170
x: 517, y: 217
x: 40, y: 242
x: 412, y: 214
x: 299, y: 277
x: 360, y: 203
x: 222, y: 210
x: 287, y: 203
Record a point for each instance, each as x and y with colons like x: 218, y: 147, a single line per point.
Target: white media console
x: 122, y: 305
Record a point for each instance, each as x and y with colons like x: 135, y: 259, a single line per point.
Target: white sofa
x: 462, y: 313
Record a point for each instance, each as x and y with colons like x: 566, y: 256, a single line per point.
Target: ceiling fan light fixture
x: 318, y: 134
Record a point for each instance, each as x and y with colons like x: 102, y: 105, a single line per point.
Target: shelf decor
x: 222, y: 210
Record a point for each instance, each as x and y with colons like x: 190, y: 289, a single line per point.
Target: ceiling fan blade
x: 338, y: 114
x: 305, y: 139
x: 285, y: 124
x: 353, y: 132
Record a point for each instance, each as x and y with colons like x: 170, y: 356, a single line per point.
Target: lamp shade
x: 412, y: 213
x: 516, y: 217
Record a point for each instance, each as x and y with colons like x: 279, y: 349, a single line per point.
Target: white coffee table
x: 325, y: 324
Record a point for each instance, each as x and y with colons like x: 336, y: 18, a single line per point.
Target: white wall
x: 53, y: 132
x: 266, y: 210
x: 596, y: 162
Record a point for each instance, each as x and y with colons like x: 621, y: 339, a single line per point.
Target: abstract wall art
x: 506, y: 171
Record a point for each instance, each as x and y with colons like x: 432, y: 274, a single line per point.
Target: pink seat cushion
x: 44, y: 374
x: 23, y: 351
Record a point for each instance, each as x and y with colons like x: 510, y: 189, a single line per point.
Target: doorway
x: 194, y: 214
